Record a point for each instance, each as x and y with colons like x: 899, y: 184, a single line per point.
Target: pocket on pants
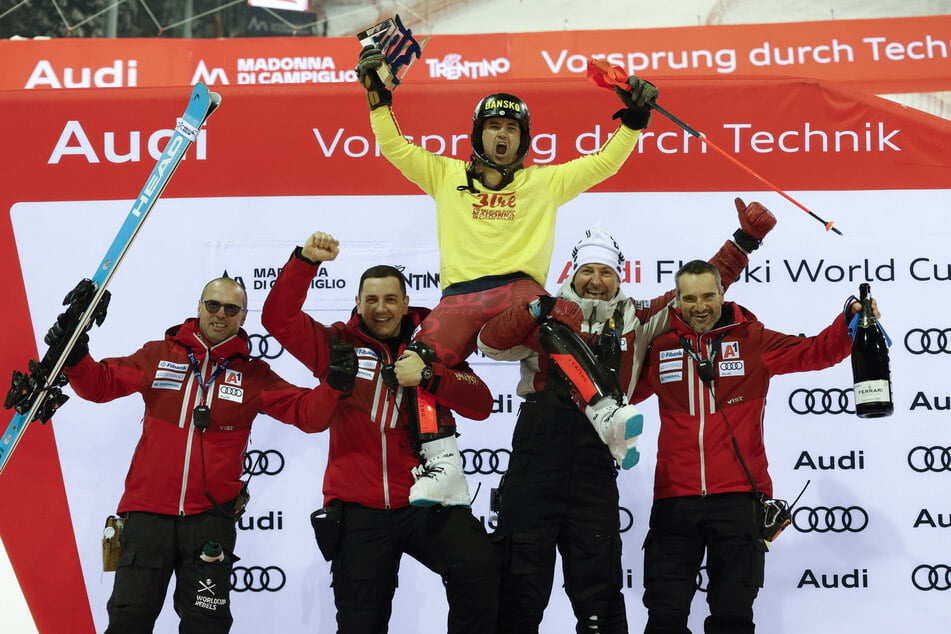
x: 527, y: 552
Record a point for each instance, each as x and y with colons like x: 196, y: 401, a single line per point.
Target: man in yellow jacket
x: 496, y: 228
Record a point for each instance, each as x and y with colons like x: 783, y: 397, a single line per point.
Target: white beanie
x: 597, y: 247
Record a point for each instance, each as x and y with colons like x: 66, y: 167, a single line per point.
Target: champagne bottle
x: 870, y: 370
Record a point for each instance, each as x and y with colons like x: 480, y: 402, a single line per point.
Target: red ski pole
x: 605, y: 75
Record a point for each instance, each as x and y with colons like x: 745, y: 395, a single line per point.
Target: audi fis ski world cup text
x: 824, y: 270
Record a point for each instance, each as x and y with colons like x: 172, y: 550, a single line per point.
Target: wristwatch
x: 426, y: 374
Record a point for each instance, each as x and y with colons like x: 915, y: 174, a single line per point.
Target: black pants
x: 155, y: 546
x: 724, y: 526
x: 447, y: 540
x: 560, y: 491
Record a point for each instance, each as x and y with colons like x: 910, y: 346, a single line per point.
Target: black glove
x: 343, y: 365
x: 371, y: 59
x: 637, y: 102
x: 56, y: 337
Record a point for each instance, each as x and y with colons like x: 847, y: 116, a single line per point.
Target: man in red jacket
x: 367, y: 522
x: 560, y: 491
x: 201, y: 391
x: 711, y: 373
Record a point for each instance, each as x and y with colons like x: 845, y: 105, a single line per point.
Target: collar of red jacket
x: 411, y: 322
x: 188, y: 335
x: 740, y: 316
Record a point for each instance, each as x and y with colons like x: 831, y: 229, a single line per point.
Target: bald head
x: 225, y: 295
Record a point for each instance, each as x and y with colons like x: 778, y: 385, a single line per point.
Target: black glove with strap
x: 58, y: 333
x: 372, y: 58
x: 343, y: 365
x: 637, y: 101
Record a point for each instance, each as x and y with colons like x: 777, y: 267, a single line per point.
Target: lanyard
x: 704, y: 366
x: 211, y: 379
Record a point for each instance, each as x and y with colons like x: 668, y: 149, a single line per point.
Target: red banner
x: 76, y: 145
x: 882, y: 56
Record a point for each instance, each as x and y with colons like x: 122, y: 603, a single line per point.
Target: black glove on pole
x: 343, y: 365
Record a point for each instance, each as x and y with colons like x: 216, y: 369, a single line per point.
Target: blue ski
x: 37, y: 395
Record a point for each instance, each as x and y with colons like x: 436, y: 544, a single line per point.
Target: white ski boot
x: 440, y: 480
x: 618, y: 425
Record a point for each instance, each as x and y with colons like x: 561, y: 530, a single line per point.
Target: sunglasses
x: 213, y: 306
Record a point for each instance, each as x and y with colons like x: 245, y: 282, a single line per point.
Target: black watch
x: 426, y: 374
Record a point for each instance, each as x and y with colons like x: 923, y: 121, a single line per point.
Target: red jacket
x: 166, y: 471
x: 694, y: 453
x: 511, y: 336
x: 371, y: 454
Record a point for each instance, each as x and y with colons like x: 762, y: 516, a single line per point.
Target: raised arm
x: 283, y: 314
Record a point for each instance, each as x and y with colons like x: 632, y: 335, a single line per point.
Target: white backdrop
x: 817, y: 580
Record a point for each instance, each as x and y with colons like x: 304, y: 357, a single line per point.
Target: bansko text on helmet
x: 508, y: 107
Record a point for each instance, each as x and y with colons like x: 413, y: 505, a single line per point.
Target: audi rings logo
x: 928, y: 341
x: 830, y: 519
x: 257, y: 579
x: 269, y: 462
x: 264, y: 347
x: 934, y: 458
x: 702, y: 579
x: 926, y: 577
x: 485, y: 461
x: 819, y: 401
x: 626, y: 519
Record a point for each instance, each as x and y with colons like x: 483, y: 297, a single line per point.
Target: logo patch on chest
x: 231, y: 393
x: 732, y: 368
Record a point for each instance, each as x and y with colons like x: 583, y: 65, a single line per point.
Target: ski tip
x: 200, y: 91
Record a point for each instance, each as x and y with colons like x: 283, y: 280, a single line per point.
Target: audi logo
x: 819, y: 401
x: 485, y: 461
x: 928, y: 341
x: 926, y: 577
x: 269, y: 462
x: 264, y: 347
x: 702, y: 579
x: 830, y: 519
x: 932, y: 458
x: 257, y: 579
x: 626, y: 519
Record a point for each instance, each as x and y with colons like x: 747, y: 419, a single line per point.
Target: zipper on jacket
x: 695, y: 380
x: 185, y: 421
x: 383, y: 391
x: 700, y: 401
x: 706, y: 404
x: 384, y: 455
